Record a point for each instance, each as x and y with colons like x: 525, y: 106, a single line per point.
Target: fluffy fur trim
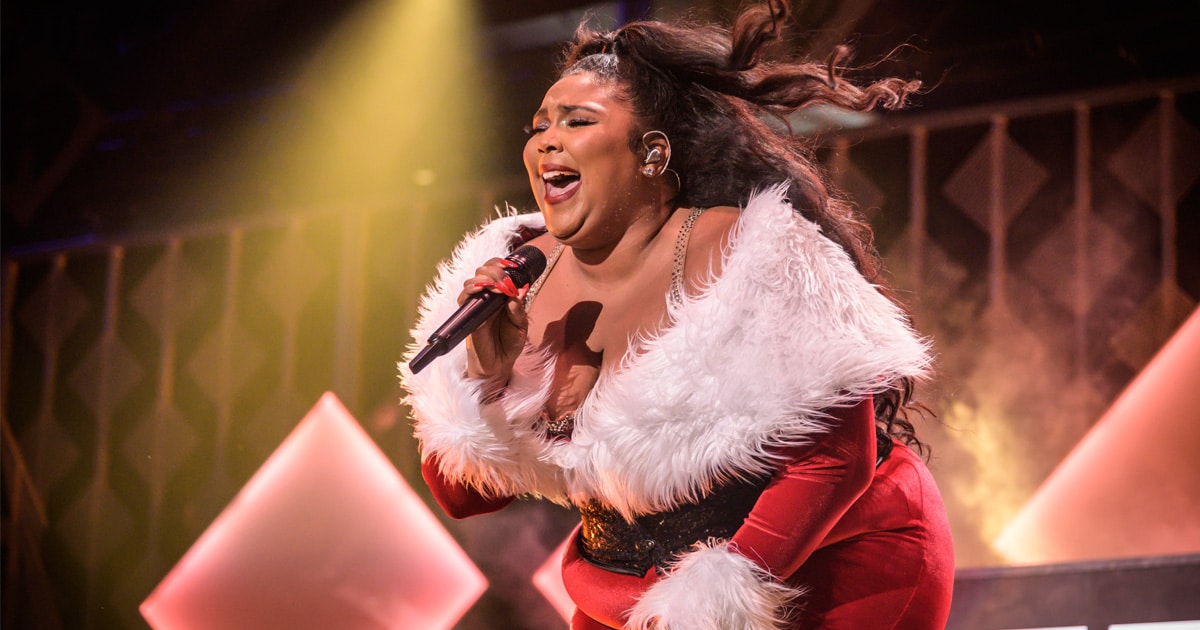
x: 788, y: 330
x: 491, y: 447
x: 713, y: 588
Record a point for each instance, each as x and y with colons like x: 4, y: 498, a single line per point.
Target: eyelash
x: 574, y: 122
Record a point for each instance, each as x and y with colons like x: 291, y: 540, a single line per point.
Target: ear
x: 657, y: 156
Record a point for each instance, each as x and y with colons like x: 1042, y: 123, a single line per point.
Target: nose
x: 547, y: 140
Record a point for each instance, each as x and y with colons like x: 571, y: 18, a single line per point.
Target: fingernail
x: 508, y: 287
x: 508, y: 264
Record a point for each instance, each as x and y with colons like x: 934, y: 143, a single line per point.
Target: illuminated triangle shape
x: 325, y: 535
x: 548, y: 581
x: 1131, y: 487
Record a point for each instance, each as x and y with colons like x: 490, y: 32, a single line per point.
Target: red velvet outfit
x: 768, y: 371
x: 886, y: 562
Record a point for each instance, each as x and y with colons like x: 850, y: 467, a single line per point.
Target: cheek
x: 529, y: 154
x: 609, y: 154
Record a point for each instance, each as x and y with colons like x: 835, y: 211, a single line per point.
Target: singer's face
x: 581, y: 167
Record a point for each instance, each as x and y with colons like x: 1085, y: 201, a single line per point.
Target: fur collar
x: 788, y: 330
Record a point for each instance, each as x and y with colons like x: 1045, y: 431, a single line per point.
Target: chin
x: 561, y: 235
x: 560, y: 229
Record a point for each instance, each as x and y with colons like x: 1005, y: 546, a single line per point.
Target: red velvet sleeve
x: 458, y: 500
x: 811, y: 493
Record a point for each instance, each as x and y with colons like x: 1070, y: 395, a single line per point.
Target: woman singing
x: 709, y: 369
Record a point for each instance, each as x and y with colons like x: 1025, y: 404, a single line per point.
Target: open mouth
x: 560, y: 184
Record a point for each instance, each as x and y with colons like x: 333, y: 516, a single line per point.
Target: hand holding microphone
x: 521, y: 268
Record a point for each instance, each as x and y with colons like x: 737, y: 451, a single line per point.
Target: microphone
x: 476, y: 309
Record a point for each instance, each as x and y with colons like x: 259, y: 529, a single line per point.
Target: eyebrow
x: 566, y: 109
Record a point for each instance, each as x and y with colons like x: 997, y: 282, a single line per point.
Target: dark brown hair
x: 723, y: 104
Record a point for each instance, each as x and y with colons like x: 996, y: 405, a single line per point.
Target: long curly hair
x: 724, y: 105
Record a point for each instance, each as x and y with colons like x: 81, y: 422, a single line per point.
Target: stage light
x: 398, y: 97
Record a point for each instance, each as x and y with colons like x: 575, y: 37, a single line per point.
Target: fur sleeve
x: 491, y: 447
x: 713, y: 587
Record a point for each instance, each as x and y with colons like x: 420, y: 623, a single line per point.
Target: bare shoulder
x: 708, y: 239
x: 717, y: 221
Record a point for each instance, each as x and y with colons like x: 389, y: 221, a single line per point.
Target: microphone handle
x: 477, y: 308
x: 471, y: 315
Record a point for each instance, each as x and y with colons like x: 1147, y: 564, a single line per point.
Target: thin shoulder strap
x: 681, y: 244
x: 537, y: 284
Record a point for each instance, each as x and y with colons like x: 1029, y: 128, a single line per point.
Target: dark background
x: 104, y: 102
x: 117, y: 122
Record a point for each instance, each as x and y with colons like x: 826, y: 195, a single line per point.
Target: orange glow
x: 1131, y: 487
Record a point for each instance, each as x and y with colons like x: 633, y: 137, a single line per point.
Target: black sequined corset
x: 610, y: 542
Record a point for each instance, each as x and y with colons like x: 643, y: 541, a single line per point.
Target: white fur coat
x: 790, y: 328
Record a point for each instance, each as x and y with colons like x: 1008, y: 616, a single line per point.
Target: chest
x: 581, y: 324
x: 588, y: 329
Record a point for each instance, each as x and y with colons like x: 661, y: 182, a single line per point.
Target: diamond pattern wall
x: 970, y: 186
x: 1106, y: 251
x: 143, y: 400
x: 1034, y: 341
x: 1143, y: 147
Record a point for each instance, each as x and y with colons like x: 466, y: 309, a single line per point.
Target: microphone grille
x: 531, y: 262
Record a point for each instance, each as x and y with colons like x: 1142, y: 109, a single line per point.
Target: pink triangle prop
x: 1131, y: 487
x: 549, y: 581
x: 325, y: 535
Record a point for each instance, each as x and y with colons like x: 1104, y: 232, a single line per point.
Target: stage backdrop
x: 1048, y: 248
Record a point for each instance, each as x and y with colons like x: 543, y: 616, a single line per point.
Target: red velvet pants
x: 887, y: 563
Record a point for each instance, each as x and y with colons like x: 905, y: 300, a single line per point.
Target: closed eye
x: 569, y: 123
